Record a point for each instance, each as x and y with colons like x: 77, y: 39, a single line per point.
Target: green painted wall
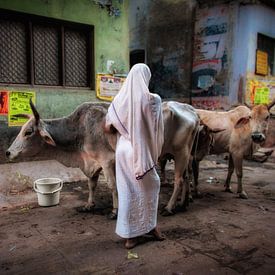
x: 111, y: 42
x: 111, y: 33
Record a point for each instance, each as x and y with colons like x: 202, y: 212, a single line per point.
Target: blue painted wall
x: 250, y: 20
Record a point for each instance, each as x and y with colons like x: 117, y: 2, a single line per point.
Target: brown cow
x: 77, y: 140
x: 202, y: 144
x: 244, y: 127
x: 181, y: 123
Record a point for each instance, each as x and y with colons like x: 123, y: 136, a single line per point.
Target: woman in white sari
x: 136, y: 114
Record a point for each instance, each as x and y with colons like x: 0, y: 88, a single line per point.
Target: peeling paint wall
x: 226, y: 79
x: 212, y: 56
x: 164, y: 29
x: 200, y: 51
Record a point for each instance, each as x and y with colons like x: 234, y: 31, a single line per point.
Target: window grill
x: 46, y: 55
x: 13, y: 52
x: 41, y: 51
x: 76, y: 58
x: 267, y: 44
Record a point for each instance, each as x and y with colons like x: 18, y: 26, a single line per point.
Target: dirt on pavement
x: 218, y: 234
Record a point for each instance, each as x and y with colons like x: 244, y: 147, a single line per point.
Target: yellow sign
x: 261, y: 62
x: 19, y: 103
x: 261, y: 95
x: 107, y: 86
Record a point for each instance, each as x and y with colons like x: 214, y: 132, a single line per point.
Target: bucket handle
x: 47, y: 193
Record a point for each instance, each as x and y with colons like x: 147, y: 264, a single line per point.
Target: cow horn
x: 35, y: 112
x: 270, y: 105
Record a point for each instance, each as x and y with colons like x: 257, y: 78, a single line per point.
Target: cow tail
x: 196, y: 143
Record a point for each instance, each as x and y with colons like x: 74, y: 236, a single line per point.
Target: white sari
x: 137, y: 115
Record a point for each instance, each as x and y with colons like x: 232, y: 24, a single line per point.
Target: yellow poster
x: 107, y: 86
x: 261, y: 62
x: 19, y: 103
x: 261, y: 95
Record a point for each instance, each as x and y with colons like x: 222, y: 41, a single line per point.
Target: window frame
x: 260, y: 38
x: 29, y: 20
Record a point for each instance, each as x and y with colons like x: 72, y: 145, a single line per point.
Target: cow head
x: 258, y: 121
x: 31, y: 138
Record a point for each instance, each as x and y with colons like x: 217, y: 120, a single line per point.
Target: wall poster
x: 19, y: 103
x: 4, y: 102
x: 107, y: 86
x: 261, y: 62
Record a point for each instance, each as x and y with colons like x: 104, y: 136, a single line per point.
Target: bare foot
x: 156, y: 234
x: 131, y: 243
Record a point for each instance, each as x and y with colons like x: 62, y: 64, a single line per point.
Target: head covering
x: 137, y: 115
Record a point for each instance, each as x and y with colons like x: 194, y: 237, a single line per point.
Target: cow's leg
x: 92, y: 171
x: 176, y: 191
x: 92, y: 183
x: 195, y: 170
x: 238, y: 163
x: 184, y: 201
x: 181, y: 163
x: 109, y: 172
x: 162, y: 164
x: 229, y: 174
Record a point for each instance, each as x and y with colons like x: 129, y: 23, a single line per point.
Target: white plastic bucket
x: 48, y: 191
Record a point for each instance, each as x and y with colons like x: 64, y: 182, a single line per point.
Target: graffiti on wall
x: 210, y: 53
x: 211, y: 102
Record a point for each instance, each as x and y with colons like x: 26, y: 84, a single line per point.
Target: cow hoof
x: 243, y: 195
x: 112, y: 216
x: 181, y: 208
x: 85, y: 209
x: 228, y: 189
x: 165, y: 212
x: 198, y: 195
x: 191, y: 199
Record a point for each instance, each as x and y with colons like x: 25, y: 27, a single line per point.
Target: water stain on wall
x: 169, y: 47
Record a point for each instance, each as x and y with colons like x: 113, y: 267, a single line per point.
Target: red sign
x: 4, y: 99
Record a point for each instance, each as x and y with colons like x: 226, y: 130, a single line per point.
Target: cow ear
x: 47, y: 137
x: 242, y: 121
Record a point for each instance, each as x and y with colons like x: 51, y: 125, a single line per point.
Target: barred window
x: 13, y: 52
x: 267, y: 45
x: 41, y: 51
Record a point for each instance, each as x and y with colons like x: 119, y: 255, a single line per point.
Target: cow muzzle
x: 9, y: 155
x: 258, y: 137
